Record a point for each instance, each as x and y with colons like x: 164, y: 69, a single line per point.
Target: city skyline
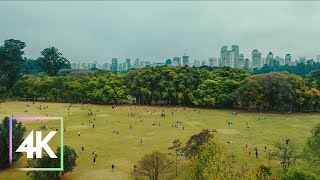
x: 154, y: 31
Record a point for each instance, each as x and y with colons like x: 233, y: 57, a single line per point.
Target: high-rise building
x: 229, y: 60
x: 302, y: 59
x: 223, y: 55
x: 269, y: 59
x: 246, y: 64
x: 220, y: 62
x: 277, y: 61
x: 204, y: 63
x: 142, y: 64
x: 241, y: 61
x: 235, y: 50
x: 128, y: 62
x: 213, y: 62
x: 106, y: 66
x: 176, y: 61
x: 114, y: 65
x: 256, y: 59
x: 318, y: 58
x: 185, y: 60
x: 137, y: 63
x: 287, y: 59
x: 169, y: 62
x: 196, y: 63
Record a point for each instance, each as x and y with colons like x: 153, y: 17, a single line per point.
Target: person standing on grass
x: 78, y: 132
x: 257, y: 153
x: 113, y: 167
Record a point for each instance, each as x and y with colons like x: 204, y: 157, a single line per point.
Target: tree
x: 286, y: 153
x: 311, y: 151
x: 17, y: 138
x: 301, y: 175
x: 52, y: 61
x: 212, y: 161
x: 176, y: 147
x: 10, y: 61
x: 196, y: 141
x: 153, y: 164
x: 69, y: 160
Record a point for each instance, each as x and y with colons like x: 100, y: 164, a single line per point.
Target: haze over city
x: 155, y: 31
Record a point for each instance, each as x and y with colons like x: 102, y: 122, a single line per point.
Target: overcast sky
x: 156, y: 30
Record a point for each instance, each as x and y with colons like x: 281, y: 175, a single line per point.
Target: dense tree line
x: 299, y: 69
x: 185, y: 86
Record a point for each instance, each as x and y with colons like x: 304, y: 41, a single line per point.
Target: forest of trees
x: 50, y: 78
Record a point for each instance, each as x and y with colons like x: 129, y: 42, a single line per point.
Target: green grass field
x: 125, y: 149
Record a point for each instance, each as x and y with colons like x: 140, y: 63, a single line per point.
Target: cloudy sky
x: 155, y: 30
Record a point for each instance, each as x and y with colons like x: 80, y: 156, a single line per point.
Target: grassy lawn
x: 125, y: 149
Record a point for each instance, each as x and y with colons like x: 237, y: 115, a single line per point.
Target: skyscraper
x: 128, y: 66
x: 137, y: 63
x: 287, y: 59
x: 229, y: 60
x: 318, y: 58
x: 176, y: 61
x: 235, y: 50
x: 114, y: 65
x: 241, y: 61
x: 269, y: 59
x: 185, y: 60
x: 256, y: 59
x: 223, y: 55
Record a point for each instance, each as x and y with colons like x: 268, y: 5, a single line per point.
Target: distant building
x: 287, y: 59
x: 302, y: 59
x: 246, y: 64
x: 128, y: 63
x: 235, y: 50
x: 204, y: 63
x: 176, y: 61
x: 142, y: 64
x: 318, y: 58
x: 106, y: 66
x: 137, y: 63
x: 114, y: 65
x: 147, y: 63
x: 269, y: 59
x: 223, y: 55
x: 310, y: 61
x: 213, y: 62
x: 241, y: 61
x: 84, y: 66
x: 169, y: 62
x: 196, y: 63
x: 185, y: 60
x: 229, y: 61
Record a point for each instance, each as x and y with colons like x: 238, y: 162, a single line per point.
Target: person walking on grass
x: 94, y: 158
x: 113, y: 167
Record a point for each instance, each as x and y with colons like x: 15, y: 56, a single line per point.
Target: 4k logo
x: 27, y: 145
